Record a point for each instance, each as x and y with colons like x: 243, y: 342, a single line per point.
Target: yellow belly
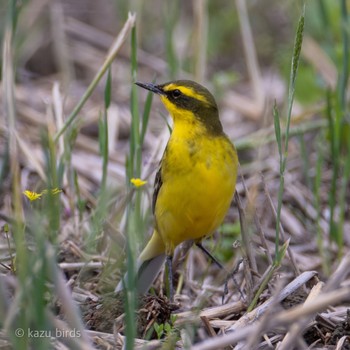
x: 198, y: 185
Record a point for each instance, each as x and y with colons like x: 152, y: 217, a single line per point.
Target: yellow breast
x: 199, y: 177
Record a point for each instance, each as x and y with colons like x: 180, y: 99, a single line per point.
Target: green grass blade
x: 317, y: 200
x: 145, y: 116
x: 108, y: 89
x: 344, y: 75
x: 109, y: 59
x: 135, y: 147
x: 133, y: 169
x: 277, y: 126
x: 283, y: 158
x: 335, y: 157
x: 170, y: 18
x: 103, y: 130
x: 293, y: 75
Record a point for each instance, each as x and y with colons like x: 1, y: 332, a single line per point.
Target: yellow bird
x: 196, y: 180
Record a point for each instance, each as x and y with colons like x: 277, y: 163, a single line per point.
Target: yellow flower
x: 56, y: 190
x: 32, y: 196
x: 138, y: 182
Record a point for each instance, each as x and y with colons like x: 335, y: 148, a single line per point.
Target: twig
x: 211, y: 312
x: 280, y: 319
x: 258, y: 226
x: 80, y: 265
x: 288, y: 290
x: 245, y: 239
x: 283, y: 235
x: 293, y: 335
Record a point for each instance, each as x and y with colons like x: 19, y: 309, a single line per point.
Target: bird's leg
x: 221, y: 266
x: 207, y: 252
x: 169, y: 263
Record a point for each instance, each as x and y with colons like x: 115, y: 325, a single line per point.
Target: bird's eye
x: 176, y: 93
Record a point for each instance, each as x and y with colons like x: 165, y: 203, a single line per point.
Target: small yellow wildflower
x: 56, y: 191
x: 32, y: 196
x: 138, y: 182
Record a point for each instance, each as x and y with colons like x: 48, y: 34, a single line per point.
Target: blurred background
x: 73, y: 124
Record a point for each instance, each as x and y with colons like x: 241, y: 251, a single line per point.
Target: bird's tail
x: 148, y: 265
x: 148, y: 271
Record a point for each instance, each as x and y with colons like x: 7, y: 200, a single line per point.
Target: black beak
x: 151, y: 87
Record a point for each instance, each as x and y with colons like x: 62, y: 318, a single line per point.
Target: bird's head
x: 188, y: 99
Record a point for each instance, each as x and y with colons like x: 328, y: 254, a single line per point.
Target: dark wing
x: 157, y: 185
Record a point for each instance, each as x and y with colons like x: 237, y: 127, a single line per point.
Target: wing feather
x: 157, y: 185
